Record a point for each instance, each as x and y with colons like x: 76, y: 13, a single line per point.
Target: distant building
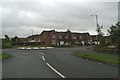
x: 93, y: 38
x: 53, y: 37
x: 34, y: 38
x: 48, y: 37
x: 21, y: 41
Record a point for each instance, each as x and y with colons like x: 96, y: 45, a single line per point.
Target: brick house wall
x: 46, y: 37
x: 35, y: 38
x: 58, y: 38
x: 54, y: 38
x: 21, y: 41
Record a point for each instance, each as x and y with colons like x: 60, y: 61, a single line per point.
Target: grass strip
x: 4, y: 56
x: 105, y: 58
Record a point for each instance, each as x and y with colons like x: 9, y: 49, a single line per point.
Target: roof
x: 48, y: 32
x: 32, y: 41
x: 34, y: 36
x: 21, y: 38
x: 63, y: 33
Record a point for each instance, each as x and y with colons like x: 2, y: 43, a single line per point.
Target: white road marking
x: 41, y: 53
x: 99, y: 63
x: 55, y: 70
x: 52, y: 67
x: 43, y: 58
x: 25, y: 53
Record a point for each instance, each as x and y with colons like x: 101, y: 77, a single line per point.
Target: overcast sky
x: 19, y: 18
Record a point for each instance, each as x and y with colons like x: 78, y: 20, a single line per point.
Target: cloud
x: 19, y: 17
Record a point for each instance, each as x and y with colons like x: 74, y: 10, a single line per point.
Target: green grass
x: 105, y: 58
x: 4, y: 56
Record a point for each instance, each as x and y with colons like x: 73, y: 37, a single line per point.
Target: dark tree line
x: 114, y: 33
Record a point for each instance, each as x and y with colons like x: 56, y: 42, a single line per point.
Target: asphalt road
x: 54, y: 63
x: 26, y: 64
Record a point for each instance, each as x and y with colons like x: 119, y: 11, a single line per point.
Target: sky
x: 20, y: 17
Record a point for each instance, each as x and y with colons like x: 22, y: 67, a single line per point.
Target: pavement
x: 54, y: 63
x: 33, y: 48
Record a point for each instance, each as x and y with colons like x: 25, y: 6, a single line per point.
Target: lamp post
x: 31, y: 37
x: 32, y: 31
x: 96, y: 16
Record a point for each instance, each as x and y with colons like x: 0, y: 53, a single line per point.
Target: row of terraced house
x: 53, y: 37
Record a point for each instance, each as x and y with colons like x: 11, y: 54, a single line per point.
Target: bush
x: 6, y: 44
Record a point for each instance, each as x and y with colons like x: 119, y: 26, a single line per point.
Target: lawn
x: 5, y: 56
x: 105, y: 58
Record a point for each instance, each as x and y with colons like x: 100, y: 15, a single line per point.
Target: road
x: 54, y: 63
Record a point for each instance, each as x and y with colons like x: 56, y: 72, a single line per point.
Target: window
x: 66, y: 37
x: 39, y: 40
x: 74, y: 37
x: 60, y: 37
x: 44, y: 36
x: 80, y: 37
x: 53, y: 41
x: 53, y: 36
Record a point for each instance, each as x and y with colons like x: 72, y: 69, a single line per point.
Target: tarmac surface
x: 54, y: 63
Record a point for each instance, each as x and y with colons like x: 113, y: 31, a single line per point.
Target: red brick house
x: 107, y: 39
x: 34, y: 38
x: 21, y: 41
x: 29, y: 41
x: 49, y: 37
x: 93, y: 38
x: 53, y: 37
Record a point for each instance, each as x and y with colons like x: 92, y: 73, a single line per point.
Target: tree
x: 14, y: 40
x: 7, y: 38
x: 100, y: 36
x: 6, y: 43
x: 99, y: 32
x: 102, y: 41
x: 114, y: 33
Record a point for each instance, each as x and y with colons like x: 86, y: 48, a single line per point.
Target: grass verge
x: 4, y: 56
x: 104, y: 58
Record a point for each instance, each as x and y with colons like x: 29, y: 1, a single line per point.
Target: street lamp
x: 96, y: 20
x: 31, y: 37
x: 32, y: 31
x: 32, y: 34
x: 96, y: 16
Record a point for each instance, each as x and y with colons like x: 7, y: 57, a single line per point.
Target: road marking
x: 41, y: 53
x: 55, y: 70
x: 25, y: 53
x: 43, y: 58
x: 99, y: 63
